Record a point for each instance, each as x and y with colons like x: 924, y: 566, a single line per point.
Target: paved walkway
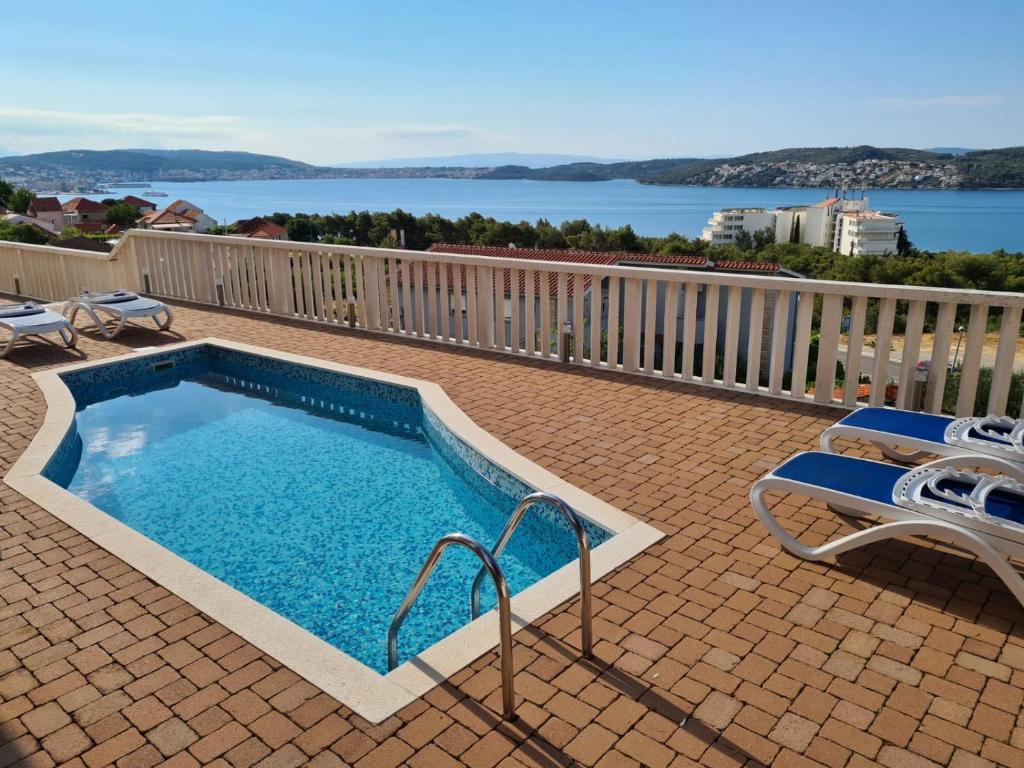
x: 714, y: 648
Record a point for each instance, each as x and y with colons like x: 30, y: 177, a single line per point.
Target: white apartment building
x: 867, y: 232
x: 842, y: 224
x: 725, y: 224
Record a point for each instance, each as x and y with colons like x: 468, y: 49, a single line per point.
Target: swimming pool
x: 313, y: 491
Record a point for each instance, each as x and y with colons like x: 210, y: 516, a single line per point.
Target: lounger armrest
x: 980, y: 461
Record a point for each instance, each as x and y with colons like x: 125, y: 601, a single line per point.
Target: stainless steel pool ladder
x: 582, y: 541
x: 489, y: 558
x: 490, y: 565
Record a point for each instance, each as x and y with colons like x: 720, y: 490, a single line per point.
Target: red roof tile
x: 767, y: 267
x: 259, y: 227
x: 138, y: 202
x: 45, y: 204
x: 84, y: 205
x: 564, y: 256
x: 826, y: 203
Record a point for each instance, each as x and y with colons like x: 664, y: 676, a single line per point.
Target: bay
x: 978, y: 221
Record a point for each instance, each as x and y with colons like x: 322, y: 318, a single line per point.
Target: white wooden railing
x: 760, y: 339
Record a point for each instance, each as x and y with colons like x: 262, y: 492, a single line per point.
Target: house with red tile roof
x: 194, y: 212
x: 21, y: 218
x: 47, y: 209
x: 168, y: 221
x: 260, y: 229
x: 179, y: 216
x: 144, y: 206
x: 450, y: 282
x: 81, y: 209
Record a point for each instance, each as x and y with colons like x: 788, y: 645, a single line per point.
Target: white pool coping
x: 368, y: 693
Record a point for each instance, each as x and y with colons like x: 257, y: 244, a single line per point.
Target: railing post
x: 631, y: 324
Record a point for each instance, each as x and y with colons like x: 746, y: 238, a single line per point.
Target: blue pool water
x: 316, y: 494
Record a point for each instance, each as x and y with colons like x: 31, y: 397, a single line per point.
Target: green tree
x: 903, y: 244
x: 70, y: 231
x: 6, y: 190
x: 794, y: 235
x: 302, y: 229
x: 19, y: 200
x: 743, y: 240
x: 22, y: 233
x: 122, y: 214
x: 763, y: 238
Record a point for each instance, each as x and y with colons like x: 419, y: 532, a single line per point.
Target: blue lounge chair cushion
x: 923, y: 426
x: 21, y: 310
x: 875, y: 481
x: 870, y: 480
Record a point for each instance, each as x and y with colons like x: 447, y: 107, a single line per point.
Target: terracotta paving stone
x: 713, y: 647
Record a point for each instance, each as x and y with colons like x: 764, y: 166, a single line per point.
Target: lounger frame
x: 118, y: 318
x: 991, y: 542
x: 63, y: 327
x: 889, y: 443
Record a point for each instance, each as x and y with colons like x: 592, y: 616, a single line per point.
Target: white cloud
x: 426, y: 132
x: 978, y: 100
x: 123, y: 122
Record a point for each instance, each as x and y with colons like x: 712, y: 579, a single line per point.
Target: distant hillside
x: 877, y: 167
x: 149, y: 165
x: 478, y: 160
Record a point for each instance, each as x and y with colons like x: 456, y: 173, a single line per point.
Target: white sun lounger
x: 983, y: 514
x: 29, y: 319
x: 119, y: 307
x: 927, y: 434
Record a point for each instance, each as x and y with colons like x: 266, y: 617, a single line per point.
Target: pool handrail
x: 490, y: 565
x: 582, y: 541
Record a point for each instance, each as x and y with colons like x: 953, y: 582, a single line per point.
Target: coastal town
x: 872, y: 173
x: 90, y: 225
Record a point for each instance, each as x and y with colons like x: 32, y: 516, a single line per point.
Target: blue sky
x: 337, y: 81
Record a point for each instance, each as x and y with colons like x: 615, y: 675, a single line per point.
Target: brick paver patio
x: 714, y: 647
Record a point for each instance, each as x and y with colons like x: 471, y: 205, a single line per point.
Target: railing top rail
x: 870, y: 290
x: 34, y: 248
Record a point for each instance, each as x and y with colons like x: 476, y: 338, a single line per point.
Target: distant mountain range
x: 798, y: 167
x: 478, y: 160
x: 867, y: 166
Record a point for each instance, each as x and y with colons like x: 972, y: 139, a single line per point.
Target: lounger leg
x: 69, y: 336
x: 168, y: 319
x: 910, y: 457
x: 110, y: 334
x: 6, y: 348
x: 928, y: 528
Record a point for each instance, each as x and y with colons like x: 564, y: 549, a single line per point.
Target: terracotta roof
x: 84, y: 205
x: 45, y: 204
x: 826, y: 203
x: 564, y: 256
x: 91, y: 227
x: 600, y: 258
x: 138, y: 202
x: 185, y: 207
x: 769, y: 267
x: 259, y: 227
x: 166, y: 216
x: 866, y: 215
